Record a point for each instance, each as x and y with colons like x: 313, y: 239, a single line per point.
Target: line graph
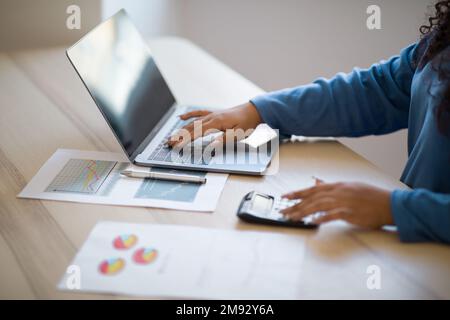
x: 81, y: 176
x: 169, y: 190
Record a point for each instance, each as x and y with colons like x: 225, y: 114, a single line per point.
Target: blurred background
x: 273, y: 43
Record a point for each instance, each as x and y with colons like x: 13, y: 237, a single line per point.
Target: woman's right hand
x: 242, y: 117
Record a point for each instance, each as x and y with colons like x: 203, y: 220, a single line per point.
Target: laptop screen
x: 117, y: 68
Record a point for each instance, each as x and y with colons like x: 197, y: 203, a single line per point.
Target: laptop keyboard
x: 166, y: 154
x: 185, y: 155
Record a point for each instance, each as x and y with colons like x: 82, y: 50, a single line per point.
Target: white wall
x: 152, y: 17
x: 283, y: 43
x: 26, y: 24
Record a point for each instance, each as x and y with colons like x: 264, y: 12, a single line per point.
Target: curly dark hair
x: 437, y: 37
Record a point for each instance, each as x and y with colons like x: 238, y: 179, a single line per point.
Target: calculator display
x: 261, y: 203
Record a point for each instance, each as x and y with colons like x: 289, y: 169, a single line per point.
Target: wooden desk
x: 44, y: 107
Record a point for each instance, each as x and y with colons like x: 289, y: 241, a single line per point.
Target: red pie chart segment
x: 111, y: 266
x: 125, y: 241
x: 145, y: 255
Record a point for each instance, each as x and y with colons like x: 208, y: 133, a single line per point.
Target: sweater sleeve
x: 363, y: 102
x: 421, y: 215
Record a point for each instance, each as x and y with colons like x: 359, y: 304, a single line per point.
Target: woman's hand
x: 356, y: 203
x: 241, y: 117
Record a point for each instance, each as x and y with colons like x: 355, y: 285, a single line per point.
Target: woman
x: 411, y: 91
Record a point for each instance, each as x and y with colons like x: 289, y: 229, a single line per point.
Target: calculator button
x: 282, y: 203
x: 275, y: 215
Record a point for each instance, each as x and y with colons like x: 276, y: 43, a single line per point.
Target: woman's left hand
x: 356, y: 203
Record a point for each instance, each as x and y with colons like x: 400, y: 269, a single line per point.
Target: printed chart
x: 81, y: 176
x: 189, y: 262
x: 169, y: 190
x: 95, y: 177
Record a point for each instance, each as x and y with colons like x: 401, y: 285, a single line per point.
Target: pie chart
x: 145, y: 255
x: 111, y: 266
x: 125, y: 241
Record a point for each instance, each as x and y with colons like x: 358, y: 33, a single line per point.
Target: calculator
x: 262, y: 208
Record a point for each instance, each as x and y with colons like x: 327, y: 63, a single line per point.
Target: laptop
x: 122, y: 77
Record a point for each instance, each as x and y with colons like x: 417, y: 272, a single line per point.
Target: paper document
x: 187, y: 262
x: 261, y: 135
x: 94, y: 177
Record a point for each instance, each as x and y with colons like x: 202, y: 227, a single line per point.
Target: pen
x: 163, y: 176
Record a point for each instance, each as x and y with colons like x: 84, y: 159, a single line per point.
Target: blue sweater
x: 388, y: 96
